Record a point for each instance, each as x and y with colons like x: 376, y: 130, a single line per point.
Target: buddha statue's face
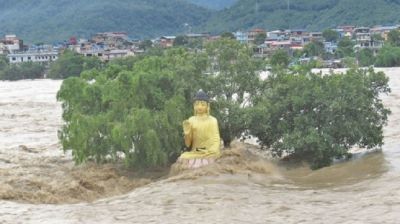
x: 200, y: 107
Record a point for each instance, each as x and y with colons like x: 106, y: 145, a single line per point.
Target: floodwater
x: 40, y: 184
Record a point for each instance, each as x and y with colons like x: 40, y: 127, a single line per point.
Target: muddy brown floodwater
x: 40, y: 184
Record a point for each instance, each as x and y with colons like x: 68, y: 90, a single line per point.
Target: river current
x: 40, y: 184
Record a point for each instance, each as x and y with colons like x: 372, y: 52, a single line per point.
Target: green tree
x: 72, y: 64
x: 314, y: 48
x: 181, y: 41
x: 365, y: 57
x: 330, y: 35
x: 393, y: 38
x: 260, y: 38
x: 317, y: 118
x: 228, y: 35
x: 234, y: 82
x: 3, y: 62
x: 146, y: 44
x: 280, y: 58
x: 377, y: 37
x: 345, y: 48
x: 26, y: 70
x: 388, y: 56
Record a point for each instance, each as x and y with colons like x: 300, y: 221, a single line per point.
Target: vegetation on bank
x: 71, y: 64
x: 28, y: 70
x: 132, y: 109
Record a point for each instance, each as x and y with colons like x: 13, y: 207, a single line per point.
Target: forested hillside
x: 307, y: 14
x: 49, y: 20
x: 214, y: 4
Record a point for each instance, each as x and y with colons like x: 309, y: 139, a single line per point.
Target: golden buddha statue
x: 201, y: 134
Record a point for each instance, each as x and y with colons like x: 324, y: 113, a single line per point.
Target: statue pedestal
x: 195, y: 162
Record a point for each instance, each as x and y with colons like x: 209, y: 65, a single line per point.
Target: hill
x: 305, y: 14
x: 214, y: 4
x: 49, y: 20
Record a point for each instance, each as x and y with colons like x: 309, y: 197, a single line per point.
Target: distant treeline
x: 27, y: 70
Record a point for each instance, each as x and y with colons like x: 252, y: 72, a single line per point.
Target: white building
x: 12, y: 43
x: 33, y: 57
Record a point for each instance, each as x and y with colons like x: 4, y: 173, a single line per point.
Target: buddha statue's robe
x: 205, y: 141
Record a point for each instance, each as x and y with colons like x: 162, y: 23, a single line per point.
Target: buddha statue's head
x: 201, y: 103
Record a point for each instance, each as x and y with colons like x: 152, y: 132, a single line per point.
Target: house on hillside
x: 40, y: 57
x: 167, y: 41
x: 364, y: 39
x: 316, y: 36
x: 113, y: 40
x: 112, y: 54
x: 277, y: 35
x: 252, y: 34
x: 242, y: 37
x: 346, y: 31
x: 12, y: 43
x: 383, y: 30
x: 270, y: 47
x: 298, y: 33
x: 330, y: 47
x: 3, y: 48
x: 197, y: 36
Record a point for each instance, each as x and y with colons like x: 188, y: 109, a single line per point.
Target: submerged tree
x: 317, y: 118
x: 136, y: 113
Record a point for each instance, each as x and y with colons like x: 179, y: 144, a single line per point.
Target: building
x: 167, y: 41
x: 113, y: 40
x: 252, y: 34
x: 242, y: 37
x: 11, y: 43
x: 41, y: 57
x: 383, y: 31
x: 277, y: 35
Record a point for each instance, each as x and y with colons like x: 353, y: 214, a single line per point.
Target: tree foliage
x: 25, y: 70
x: 280, y: 58
x: 137, y: 111
x: 393, y: 38
x: 180, y: 40
x: 345, y: 48
x: 317, y: 118
x: 133, y: 108
x: 365, y: 57
x: 233, y: 84
x: 228, y: 35
x: 388, y: 56
x: 330, y: 35
x: 260, y: 38
x: 134, y: 112
x: 72, y: 64
x: 314, y: 48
